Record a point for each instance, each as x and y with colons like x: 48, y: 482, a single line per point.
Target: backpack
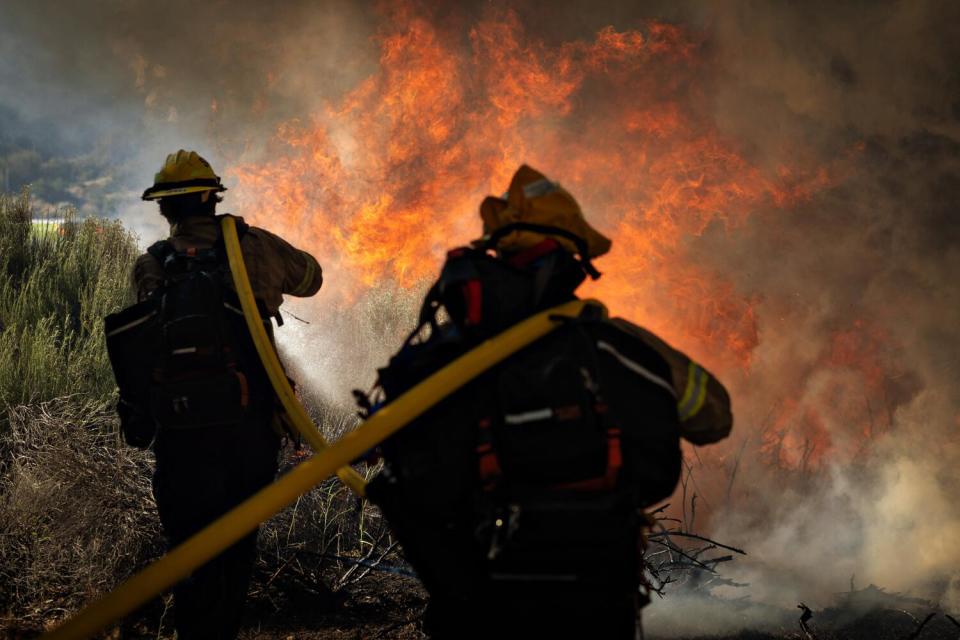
x: 184, y: 359
x: 481, y: 295
x: 532, y: 474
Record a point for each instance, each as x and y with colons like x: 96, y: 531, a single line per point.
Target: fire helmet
x: 183, y: 172
x: 534, y: 201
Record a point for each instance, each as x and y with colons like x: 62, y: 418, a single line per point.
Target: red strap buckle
x: 614, y: 456
x: 473, y: 293
x: 487, y: 461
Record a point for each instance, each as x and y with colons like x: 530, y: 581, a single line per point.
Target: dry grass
x: 76, y: 509
x: 77, y: 517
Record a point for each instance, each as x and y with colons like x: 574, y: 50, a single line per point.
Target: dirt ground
x: 389, y: 606
x: 380, y: 606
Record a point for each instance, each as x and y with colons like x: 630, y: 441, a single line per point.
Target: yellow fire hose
x: 220, y: 534
x: 268, y: 355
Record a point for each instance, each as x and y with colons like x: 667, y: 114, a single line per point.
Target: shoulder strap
x: 458, y: 269
x: 160, y: 250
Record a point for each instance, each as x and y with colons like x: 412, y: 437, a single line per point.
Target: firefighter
x: 516, y: 499
x: 202, y: 471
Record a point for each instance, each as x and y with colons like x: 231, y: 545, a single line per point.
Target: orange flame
x: 380, y: 182
x: 849, y: 394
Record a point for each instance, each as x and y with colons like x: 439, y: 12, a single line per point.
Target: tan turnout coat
x: 276, y: 268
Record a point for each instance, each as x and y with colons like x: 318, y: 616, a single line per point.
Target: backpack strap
x: 461, y: 271
x: 161, y: 250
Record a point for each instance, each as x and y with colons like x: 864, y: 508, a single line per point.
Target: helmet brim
x: 497, y: 212
x: 155, y: 194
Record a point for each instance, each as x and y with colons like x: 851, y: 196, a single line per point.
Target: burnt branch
x: 804, y: 619
x: 680, y: 552
x: 696, y: 537
x: 659, y: 510
x: 920, y: 627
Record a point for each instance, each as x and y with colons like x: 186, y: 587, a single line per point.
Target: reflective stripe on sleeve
x: 695, y: 393
x: 304, y: 285
x: 528, y: 416
x: 636, y: 367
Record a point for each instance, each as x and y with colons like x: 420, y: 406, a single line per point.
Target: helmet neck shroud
x: 176, y: 208
x: 584, y: 255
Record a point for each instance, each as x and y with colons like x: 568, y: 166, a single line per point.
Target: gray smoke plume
x: 876, y: 253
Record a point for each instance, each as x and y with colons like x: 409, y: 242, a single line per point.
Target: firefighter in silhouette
x: 191, y: 383
x: 518, y: 499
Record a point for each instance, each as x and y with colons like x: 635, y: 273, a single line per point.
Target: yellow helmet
x: 183, y: 172
x: 534, y: 201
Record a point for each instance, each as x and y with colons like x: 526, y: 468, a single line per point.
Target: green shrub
x: 58, y: 279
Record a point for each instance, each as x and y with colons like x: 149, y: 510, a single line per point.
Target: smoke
x: 780, y: 180
x: 860, y: 303
x: 116, y: 86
